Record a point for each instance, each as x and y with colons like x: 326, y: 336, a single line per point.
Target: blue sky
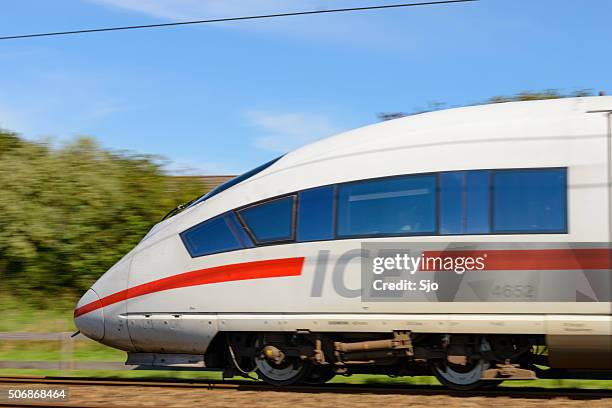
x: 223, y: 98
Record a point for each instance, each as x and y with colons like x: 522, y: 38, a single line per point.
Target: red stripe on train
x: 227, y: 273
x: 531, y: 259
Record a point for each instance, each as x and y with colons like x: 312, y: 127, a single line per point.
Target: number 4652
x: 513, y: 291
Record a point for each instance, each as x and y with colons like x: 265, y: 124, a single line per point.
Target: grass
x: 50, y: 351
x: 135, y: 374
x: 53, y: 315
x: 24, y: 317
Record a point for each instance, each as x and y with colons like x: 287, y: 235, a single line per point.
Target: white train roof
x: 418, y: 129
x: 545, y: 133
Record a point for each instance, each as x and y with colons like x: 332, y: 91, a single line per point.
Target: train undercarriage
x: 462, y: 362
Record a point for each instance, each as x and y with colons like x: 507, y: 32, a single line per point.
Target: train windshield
x: 221, y: 188
x: 234, y: 181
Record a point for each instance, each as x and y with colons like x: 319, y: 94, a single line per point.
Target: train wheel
x: 287, y: 372
x: 319, y: 375
x: 461, y: 377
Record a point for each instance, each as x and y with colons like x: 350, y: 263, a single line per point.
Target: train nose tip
x: 89, y: 316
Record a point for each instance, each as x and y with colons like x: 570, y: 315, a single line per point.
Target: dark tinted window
x: 398, y: 205
x: 212, y: 236
x: 270, y: 221
x: 464, y: 202
x: 315, y: 214
x: 478, y: 200
x: 530, y: 200
x: 238, y: 230
x: 452, y: 202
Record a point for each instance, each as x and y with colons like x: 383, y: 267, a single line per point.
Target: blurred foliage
x: 540, y: 95
x: 521, y: 96
x: 68, y: 214
x: 391, y: 115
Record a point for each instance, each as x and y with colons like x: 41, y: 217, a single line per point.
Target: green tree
x: 68, y: 214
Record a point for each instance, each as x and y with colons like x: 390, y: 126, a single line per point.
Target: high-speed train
x: 318, y: 263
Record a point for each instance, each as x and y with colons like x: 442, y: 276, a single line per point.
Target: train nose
x: 89, y: 316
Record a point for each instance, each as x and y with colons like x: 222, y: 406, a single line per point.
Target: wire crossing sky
x: 220, y: 20
x: 224, y: 98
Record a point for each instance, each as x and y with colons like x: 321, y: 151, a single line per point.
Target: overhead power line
x: 220, y: 20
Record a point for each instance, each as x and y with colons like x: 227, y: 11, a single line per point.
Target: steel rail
x: 336, y: 388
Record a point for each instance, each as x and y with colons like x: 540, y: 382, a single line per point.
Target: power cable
x: 220, y: 20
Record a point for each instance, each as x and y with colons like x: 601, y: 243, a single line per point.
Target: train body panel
x: 115, y: 282
x: 328, y: 279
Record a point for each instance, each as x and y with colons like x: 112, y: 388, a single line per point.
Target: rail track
x: 333, y: 388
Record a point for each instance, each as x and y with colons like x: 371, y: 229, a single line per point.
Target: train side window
x: 271, y: 221
x: 391, y: 206
x: 210, y: 237
x: 315, y: 214
x: 238, y: 230
x: 452, y: 202
x: 464, y: 202
x: 478, y: 211
x: 530, y: 200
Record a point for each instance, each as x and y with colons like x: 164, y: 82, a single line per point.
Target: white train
x: 267, y: 273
